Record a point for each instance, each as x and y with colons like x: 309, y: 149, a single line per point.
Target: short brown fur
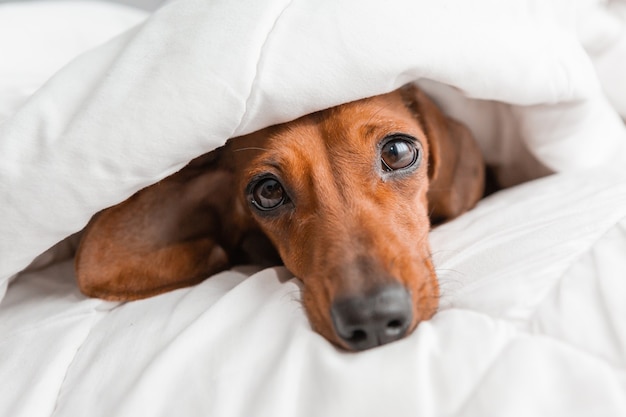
x: 348, y: 228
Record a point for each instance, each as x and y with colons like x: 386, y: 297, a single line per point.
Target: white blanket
x: 531, y: 324
x: 531, y: 319
x: 196, y: 73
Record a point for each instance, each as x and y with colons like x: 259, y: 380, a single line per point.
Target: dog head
x: 343, y: 195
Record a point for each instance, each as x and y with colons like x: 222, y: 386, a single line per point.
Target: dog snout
x: 376, y: 318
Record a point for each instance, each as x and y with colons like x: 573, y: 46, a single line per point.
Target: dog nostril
x: 395, y: 326
x: 357, y: 336
x: 379, y: 317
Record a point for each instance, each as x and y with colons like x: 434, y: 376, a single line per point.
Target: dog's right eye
x: 268, y: 194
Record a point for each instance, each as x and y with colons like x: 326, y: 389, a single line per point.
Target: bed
x: 533, y: 280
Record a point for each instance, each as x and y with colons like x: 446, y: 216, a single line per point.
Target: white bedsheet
x: 533, y: 280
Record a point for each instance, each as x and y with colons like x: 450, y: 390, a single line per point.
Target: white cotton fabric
x: 531, y: 324
x: 38, y: 39
x: 195, y: 73
x: 533, y: 280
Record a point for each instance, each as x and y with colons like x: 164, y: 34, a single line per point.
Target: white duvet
x: 533, y: 280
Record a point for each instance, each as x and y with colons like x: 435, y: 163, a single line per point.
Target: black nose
x: 379, y: 317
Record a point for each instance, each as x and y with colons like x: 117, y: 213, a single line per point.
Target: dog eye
x: 399, y: 153
x: 268, y: 194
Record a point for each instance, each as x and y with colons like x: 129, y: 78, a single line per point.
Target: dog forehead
x: 366, y: 122
x: 349, y: 132
x: 345, y: 128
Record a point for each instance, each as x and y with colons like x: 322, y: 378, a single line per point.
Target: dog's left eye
x: 399, y: 153
x: 268, y: 194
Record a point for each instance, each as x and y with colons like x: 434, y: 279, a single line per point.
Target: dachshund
x: 344, y: 198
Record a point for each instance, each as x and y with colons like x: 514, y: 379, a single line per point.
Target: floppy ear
x: 455, y: 164
x: 172, y: 234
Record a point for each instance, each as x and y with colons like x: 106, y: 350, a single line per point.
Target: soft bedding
x: 533, y: 280
x: 531, y: 323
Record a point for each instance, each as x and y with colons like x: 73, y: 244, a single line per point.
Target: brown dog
x: 344, y: 196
